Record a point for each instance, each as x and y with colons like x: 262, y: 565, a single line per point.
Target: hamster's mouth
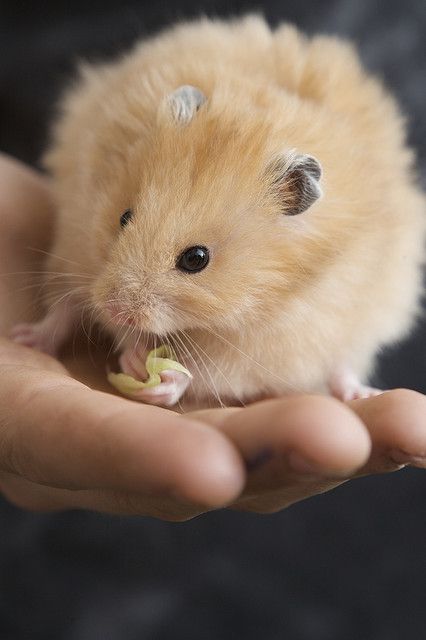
x: 118, y: 315
x: 158, y: 323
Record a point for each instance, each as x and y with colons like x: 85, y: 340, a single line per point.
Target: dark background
x: 349, y: 565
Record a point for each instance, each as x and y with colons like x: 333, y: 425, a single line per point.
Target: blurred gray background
x: 349, y: 565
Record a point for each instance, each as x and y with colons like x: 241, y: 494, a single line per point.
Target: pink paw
x: 34, y: 336
x: 173, y: 383
x: 132, y: 362
x: 168, y: 393
x: 345, y: 386
x: 360, y: 391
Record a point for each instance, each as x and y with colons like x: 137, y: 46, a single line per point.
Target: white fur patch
x: 185, y: 102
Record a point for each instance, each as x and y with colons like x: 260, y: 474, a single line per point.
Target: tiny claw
x: 344, y: 385
x: 166, y: 394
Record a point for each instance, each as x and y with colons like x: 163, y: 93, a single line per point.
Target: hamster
x: 244, y: 195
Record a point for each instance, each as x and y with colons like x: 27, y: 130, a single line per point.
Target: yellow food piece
x: 158, y: 360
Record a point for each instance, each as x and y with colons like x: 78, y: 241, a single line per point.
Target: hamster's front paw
x: 166, y: 394
x: 34, y: 335
x: 50, y: 333
x: 132, y: 362
x: 345, y: 385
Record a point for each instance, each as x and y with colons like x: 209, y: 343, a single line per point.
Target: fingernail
x: 301, y: 465
x: 259, y: 459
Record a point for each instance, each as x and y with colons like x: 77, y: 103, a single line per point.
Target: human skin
x: 66, y: 443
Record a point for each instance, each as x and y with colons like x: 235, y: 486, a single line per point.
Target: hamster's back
x: 242, y: 63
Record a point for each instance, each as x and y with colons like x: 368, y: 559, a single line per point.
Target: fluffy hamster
x: 245, y: 195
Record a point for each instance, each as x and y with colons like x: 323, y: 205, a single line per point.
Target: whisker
x: 191, y: 357
x: 57, y: 300
x: 124, y: 338
x: 43, y: 272
x: 168, y: 343
x: 52, y: 255
x: 198, y: 347
x: 138, y: 339
x: 197, y: 350
x: 88, y: 333
x: 254, y: 361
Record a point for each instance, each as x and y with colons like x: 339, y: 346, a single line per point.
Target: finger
x: 396, y: 421
x: 60, y: 433
x: 396, y: 424
x: 316, y: 434
x: 294, y: 447
x: 35, y: 497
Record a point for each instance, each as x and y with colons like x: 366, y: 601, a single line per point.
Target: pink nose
x: 118, y: 314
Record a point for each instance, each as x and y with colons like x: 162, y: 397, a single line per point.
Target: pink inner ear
x: 312, y: 166
x: 298, y: 184
x: 184, y: 102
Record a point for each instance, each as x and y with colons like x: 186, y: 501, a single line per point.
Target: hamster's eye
x: 193, y: 259
x: 125, y: 217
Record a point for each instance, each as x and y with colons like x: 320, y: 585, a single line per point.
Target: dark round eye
x: 125, y: 217
x: 193, y: 259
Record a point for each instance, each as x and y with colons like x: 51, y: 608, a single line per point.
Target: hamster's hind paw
x: 344, y: 385
x: 361, y: 391
x: 166, y: 394
x: 34, y: 336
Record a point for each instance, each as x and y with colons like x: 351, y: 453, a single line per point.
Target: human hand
x: 66, y: 445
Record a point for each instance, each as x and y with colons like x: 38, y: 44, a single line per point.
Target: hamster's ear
x: 182, y: 104
x: 296, y: 179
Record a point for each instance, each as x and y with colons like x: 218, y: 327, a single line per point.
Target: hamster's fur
x: 286, y: 300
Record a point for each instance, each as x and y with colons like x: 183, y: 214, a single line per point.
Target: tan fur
x: 290, y: 297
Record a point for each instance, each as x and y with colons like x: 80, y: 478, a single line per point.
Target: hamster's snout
x: 118, y: 314
x: 149, y: 317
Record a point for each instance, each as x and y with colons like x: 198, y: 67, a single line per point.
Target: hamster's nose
x: 118, y: 314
